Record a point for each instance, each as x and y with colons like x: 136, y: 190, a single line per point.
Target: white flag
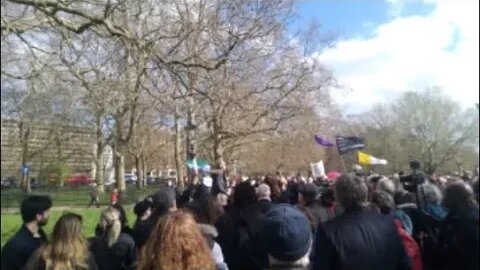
x: 317, y: 169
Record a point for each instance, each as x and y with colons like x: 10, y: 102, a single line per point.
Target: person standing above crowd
x: 68, y: 249
x: 358, y: 238
x: 113, y: 250
x: 459, y: 232
x: 176, y: 243
x: 35, y: 214
x: 220, y: 183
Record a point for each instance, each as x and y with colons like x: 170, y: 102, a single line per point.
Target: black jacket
x: 219, y: 184
x: 142, y: 229
x: 120, y: 256
x: 459, y: 240
x: 359, y: 240
x: 19, y: 248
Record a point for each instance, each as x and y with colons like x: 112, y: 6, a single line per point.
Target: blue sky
x: 353, y: 18
x: 383, y: 48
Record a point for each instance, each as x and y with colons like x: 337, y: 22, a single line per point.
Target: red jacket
x: 411, y: 246
x: 114, y: 198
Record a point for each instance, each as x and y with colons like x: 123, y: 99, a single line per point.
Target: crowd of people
x: 355, y: 221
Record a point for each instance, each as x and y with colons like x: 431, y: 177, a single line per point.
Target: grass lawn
x: 10, y: 223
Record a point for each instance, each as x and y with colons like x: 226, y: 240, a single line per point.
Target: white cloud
x: 411, y: 53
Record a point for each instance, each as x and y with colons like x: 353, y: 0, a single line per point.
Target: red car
x: 79, y: 180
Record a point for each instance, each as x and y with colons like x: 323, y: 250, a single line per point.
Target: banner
x: 366, y: 159
x: 198, y: 164
x: 323, y: 142
x: 348, y: 144
x: 318, y: 169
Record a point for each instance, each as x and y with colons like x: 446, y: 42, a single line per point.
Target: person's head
x: 382, y: 202
x: 206, y: 211
x: 244, y: 194
x: 164, y: 201
x: 115, y: 190
x: 387, y: 185
x: 327, y: 198
x: 275, y: 186
x: 110, y: 224
x: 143, y: 209
x: 36, y: 209
x: 404, y: 197
x: 350, y: 192
x: 263, y: 192
x: 433, y: 195
x: 287, y: 236
x: 176, y: 243
x: 459, y: 196
x: 123, y: 214
x: 308, y: 194
x: 68, y: 248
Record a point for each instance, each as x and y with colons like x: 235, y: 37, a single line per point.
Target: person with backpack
x: 382, y: 202
x: 113, y: 250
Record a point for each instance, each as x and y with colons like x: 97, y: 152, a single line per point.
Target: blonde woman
x: 68, y: 249
x: 176, y: 243
x: 113, y: 249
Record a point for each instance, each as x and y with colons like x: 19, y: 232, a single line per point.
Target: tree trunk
x: 120, y: 167
x: 99, y: 156
x: 178, y: 157
x: 191, y: 145
x: 140, y: 176
x: 24, y: 130
x: 144, y: 168
x: 99, y: 171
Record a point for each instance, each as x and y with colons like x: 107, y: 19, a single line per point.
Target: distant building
x: 46, y: 143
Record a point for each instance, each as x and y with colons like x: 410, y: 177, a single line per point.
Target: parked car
x: 6, y: 184
x: 130, y: 179
x: 79, y: 180
x: 150, y: 180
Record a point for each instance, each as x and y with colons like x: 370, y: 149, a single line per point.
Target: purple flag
x: 323, y: 142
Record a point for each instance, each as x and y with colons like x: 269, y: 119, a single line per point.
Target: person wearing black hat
x: 163, y: 202
x: 287, y: 238
x: 358, y: 238
x: 308, y: 198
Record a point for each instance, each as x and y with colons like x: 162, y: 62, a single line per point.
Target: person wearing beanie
x: 287, y: 238
x: 358, y: 238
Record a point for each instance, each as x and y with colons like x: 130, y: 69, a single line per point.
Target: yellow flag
x: 363, y: 158
x: 366, y: 159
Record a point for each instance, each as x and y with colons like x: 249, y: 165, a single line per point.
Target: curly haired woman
x: 176, y: 243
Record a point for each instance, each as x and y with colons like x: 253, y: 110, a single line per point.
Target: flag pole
x: 343, y: 164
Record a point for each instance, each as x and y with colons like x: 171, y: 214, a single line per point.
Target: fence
x: 76, y: 197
